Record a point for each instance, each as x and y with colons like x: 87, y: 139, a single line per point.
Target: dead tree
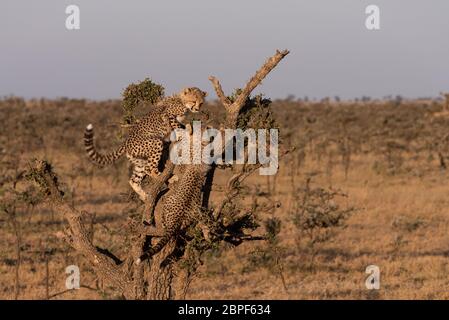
x: 168, y: 273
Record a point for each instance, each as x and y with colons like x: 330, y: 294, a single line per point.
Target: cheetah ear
x: 186, y: 90
x: 204, y: 93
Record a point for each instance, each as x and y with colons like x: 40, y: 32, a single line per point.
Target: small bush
x: 144, y: 92
x: 316, y: 214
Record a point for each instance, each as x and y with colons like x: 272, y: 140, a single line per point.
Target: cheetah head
x: 192, y: 98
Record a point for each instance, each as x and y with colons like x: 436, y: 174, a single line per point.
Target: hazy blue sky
x: 180, y: 43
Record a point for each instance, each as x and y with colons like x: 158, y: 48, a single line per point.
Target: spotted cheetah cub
x: 182, y: 207
x: 145, y: 143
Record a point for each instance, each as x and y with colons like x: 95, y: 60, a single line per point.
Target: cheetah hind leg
x: 152, y: 165
x: 136, y: 181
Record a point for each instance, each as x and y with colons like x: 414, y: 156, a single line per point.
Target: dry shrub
x: 316, y: 215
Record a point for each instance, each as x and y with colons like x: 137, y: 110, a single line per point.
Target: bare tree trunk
x: 161, y: 275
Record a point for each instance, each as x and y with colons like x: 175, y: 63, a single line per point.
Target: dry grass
x: 399, y: 192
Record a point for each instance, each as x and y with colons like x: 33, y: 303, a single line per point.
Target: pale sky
x: 180, y: 43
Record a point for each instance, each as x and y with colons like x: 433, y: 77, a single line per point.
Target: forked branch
x: 234, y: 108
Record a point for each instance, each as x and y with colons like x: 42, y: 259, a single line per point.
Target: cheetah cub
x: 182, y: 207
x: 145, y: 143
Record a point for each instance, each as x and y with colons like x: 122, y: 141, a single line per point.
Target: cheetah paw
x: 173, y: 179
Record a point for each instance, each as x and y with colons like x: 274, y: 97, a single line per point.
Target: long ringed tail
x: 155, y: 249
x: 94, y: 156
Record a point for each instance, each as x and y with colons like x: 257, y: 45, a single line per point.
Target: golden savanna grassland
x: 367, y: 184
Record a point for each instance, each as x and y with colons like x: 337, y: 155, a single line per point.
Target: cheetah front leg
x: 174, y: 125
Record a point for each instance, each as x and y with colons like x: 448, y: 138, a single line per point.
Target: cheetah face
x: 193, y: 98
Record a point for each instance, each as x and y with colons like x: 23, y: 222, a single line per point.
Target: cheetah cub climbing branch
x: 182, y: 206
x: 145, y: 143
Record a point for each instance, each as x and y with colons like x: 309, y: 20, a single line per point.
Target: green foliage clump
x: 146, y: 91
x: 273, y: 228
x: 38, y: 169
x: 255, y: 113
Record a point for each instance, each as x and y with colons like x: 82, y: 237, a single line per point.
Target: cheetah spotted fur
x: 145, y: 143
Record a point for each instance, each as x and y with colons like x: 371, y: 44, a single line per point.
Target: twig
x: 220, y: 94
x: 47, y: 280
x: 16, y: 227
x: 70, y: 290
x: 237, y: 179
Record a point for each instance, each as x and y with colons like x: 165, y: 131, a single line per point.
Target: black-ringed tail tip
x: 89, y: 126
